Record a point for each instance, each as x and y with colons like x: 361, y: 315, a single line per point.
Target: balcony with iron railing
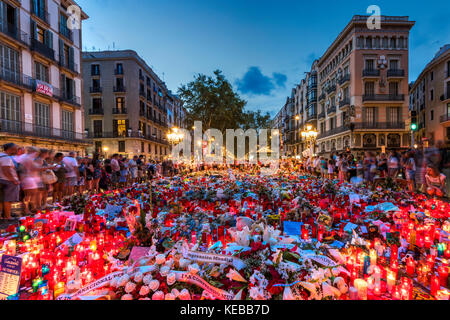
x: 70, y: 65
x: 42, y: 49
x: 445, y: 97
x: 119, y: 89
x: 14, y: 32
x: 331, y: 89
x: 371, y: 73
x: 142, y: 94
x: 32, y: 130
x: 95, y: 89
x: 311, y: 117
x: 383, y: 97
x: 119, y: 111
x: 16, y: 78
x: 66, y: 32
x: 331, y: 110
x: 445, y: 118
x: 393, y: 73
x: 126, y: 134
x: 96, y: 111
x: 345, y: 78
x: 333, y: 132
x: 344, y: 103
x: 322, y: 96
x: 379, y: 125
x: 66, y: 96
x: 321, y: 115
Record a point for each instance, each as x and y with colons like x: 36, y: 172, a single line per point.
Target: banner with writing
x: 92, y: 286
x: 198, y: 281
x: 215, y: 258
x: 325, y: 261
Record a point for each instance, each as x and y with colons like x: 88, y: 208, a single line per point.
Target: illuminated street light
x: 175, y: 136
x: 310, y: 135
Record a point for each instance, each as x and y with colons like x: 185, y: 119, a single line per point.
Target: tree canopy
x: 211, y: 100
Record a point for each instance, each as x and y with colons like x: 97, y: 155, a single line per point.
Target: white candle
x: 391, y: 279
x: 361, y: 287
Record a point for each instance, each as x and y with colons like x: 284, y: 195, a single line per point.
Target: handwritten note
x: 10, y: 276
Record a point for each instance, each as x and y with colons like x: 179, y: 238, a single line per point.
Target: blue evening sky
x: 263, y: 47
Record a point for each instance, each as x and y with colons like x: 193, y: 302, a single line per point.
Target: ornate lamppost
x: 310, y: 135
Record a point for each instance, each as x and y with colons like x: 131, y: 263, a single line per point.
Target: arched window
x: 393, y: 141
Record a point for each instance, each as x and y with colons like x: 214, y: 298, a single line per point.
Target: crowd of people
x: 424, y: 169
x: 41, y: 178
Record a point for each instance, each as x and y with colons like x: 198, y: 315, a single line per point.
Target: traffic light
x: 413, y: 120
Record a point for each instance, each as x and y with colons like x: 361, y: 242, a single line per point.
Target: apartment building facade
x: 356, y: 95
x: 176, y: 113
x: 126, y: 105
x: 364, y: 83
x: 40, y: 78
x: 430, y: 99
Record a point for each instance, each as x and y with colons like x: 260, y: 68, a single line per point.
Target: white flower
x: 171, y: 279
x: 170, y: 296
x: 138, y: 277
x: 147, y: 278
x: 127, y: 297
x: 130, y: 287
x: 164, y: 271
x: 160, y: 259
x: 154, y: 285
x: 175, y: 292
x: 123, y: 280
x: 158, y: 296
x: 144, y: 291
x: 169, y: 263
x: 194, y: 268
x: 184, y: 263
x: 184, y: 295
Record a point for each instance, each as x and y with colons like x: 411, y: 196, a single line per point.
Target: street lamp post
x: 310, y: 135
x: 175, y: 137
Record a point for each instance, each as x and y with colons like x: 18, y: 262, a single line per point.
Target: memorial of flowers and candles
x: 232, y: 236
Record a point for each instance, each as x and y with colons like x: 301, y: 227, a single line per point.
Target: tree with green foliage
x: 212, y: 100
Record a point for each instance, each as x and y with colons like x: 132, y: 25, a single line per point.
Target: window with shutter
x: 67, y: 121
x: 42, y: 118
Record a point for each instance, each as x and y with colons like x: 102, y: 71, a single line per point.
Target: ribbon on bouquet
x: 214, y: 258
x: 200, y: 282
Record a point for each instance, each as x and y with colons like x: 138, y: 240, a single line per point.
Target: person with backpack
x: 9, y: 180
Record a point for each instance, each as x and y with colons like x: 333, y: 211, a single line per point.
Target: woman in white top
x: 436, y: 183
x: 393, y: 165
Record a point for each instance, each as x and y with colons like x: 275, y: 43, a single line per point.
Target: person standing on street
x: 9, y: 180
x: 72, y: 173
